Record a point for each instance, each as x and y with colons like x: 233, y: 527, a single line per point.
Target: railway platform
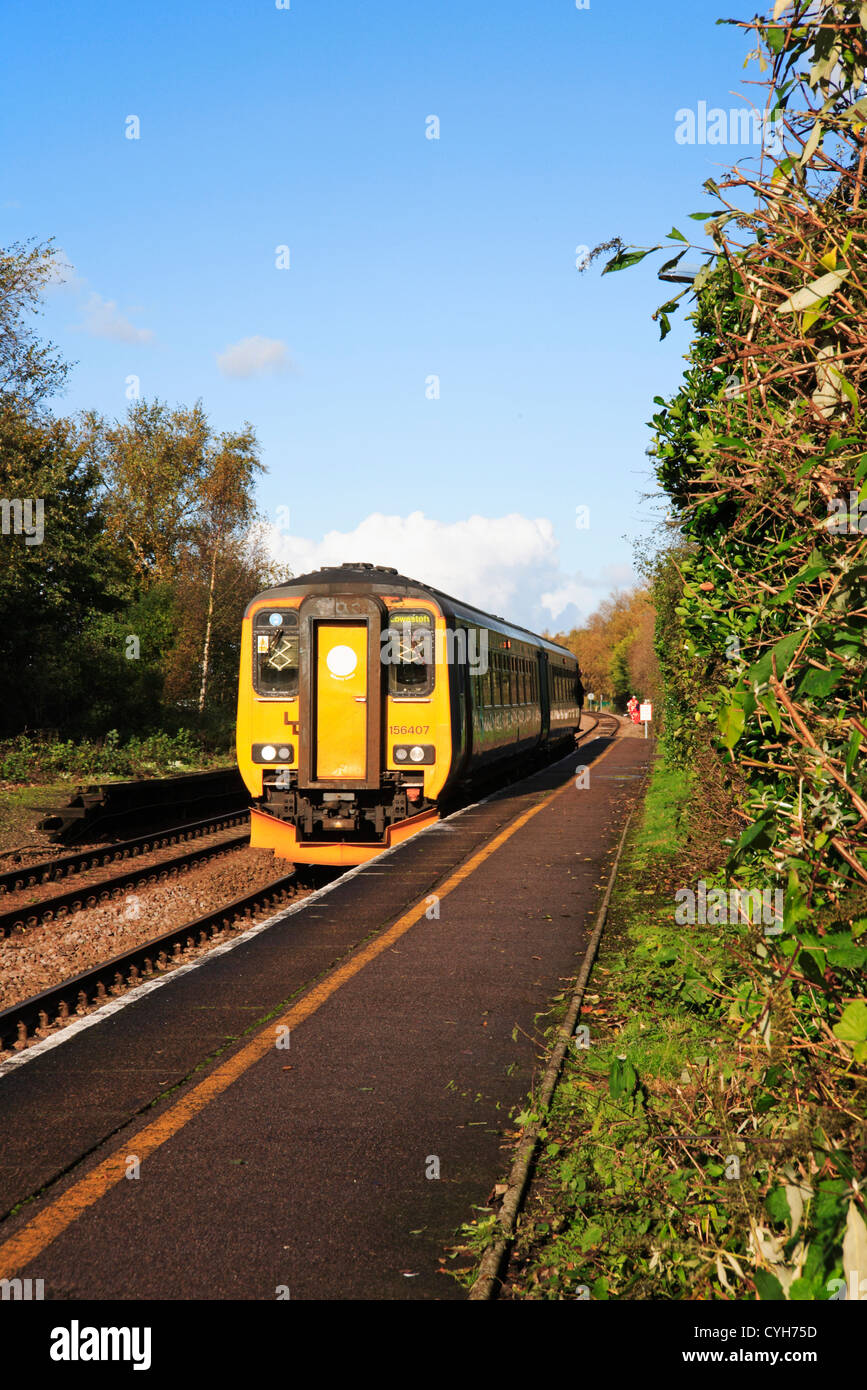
x: 313, y: 1110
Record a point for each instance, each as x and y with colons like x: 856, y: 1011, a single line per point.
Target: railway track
x: 116, y: 886
x: 36, y: 1017
x: 51, y: 870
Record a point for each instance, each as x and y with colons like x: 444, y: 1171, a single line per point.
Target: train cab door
x: 340, y: 697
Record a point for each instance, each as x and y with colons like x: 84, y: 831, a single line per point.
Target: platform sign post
x: 645, y: 712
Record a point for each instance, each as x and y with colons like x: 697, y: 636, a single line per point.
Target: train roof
x: 384, y: 580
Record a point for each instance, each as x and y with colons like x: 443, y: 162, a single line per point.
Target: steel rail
x: 49, y: 870
x: 88, y: 895
x: 60, y: 1003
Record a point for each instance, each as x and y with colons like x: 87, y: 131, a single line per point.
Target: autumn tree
x: 615, y: 648
x: 30, y: 370
x: 181, y: 497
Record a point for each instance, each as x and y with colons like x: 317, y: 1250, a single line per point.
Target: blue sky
x: 409, y: 257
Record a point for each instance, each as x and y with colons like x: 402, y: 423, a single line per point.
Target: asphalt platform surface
x: 339, y: 1166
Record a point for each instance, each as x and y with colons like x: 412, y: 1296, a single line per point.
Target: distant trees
x: 615, y: 648
x: 54, y: 593
x: 122, y: 608
x: 181, y: 499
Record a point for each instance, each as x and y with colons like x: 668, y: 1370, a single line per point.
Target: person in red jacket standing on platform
x: 634, y: 708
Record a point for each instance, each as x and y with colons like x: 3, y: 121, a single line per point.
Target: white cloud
x: 255, y: 356
x: 582, y: 595
x: 62, y: 275
x: 506, y: 565
x: 579, y: 594
x: 103, y: 319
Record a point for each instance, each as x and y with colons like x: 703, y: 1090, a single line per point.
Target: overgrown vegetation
x: 751, y: 1031
x: 31, y: 760
x: 673, y: 1159
x: 763, y: 456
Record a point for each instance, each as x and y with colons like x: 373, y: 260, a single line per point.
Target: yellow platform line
x: 19, y: 1250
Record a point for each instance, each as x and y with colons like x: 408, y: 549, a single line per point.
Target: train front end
x: 344, y: 724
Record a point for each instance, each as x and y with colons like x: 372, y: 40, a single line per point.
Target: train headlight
x: 414, y: 753
x: 274, y: 754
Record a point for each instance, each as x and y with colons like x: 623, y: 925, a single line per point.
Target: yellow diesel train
x: 366, y: 698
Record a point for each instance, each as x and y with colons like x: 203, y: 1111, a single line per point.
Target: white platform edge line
x: 132, y: 996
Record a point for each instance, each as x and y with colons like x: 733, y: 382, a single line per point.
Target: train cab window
x: 275, y: 653
x: 410, y: 655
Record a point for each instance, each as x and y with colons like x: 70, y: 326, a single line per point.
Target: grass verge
x: 685, y: 1155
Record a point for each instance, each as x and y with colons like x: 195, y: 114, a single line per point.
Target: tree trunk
x: 207, y: 651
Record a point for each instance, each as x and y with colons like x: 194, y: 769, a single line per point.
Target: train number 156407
x: 402, y: 730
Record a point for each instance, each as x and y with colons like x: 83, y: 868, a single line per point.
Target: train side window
x: 411, y: 667
x: 275, y: 653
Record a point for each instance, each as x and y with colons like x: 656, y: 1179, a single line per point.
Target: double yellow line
x: 19, y: 1250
